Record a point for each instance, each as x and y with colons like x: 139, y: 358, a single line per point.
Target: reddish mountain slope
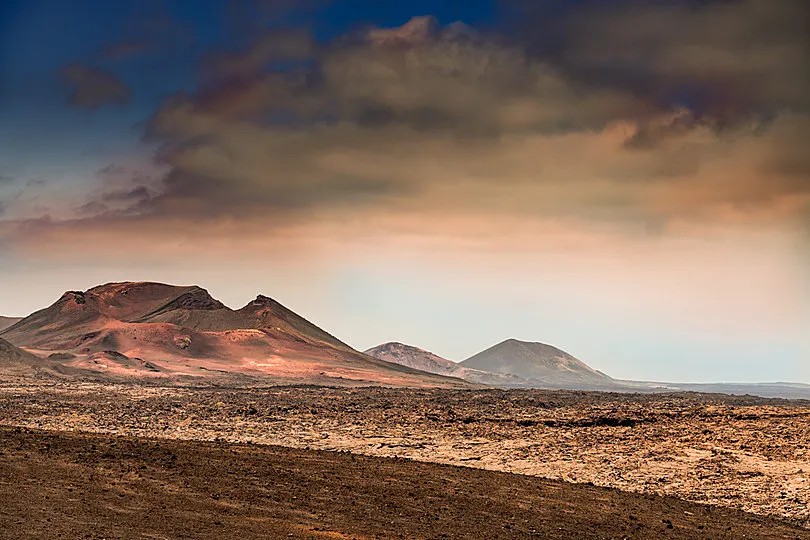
x: 157, y: 330
x: 69, y: 316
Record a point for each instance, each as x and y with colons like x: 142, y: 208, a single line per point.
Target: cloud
x: 124, y: 191
x: 417, y: 30
x: 420, y: 116
x: 353, y: 128
x: 727, y: 59
x: 276, y: 46
x: 92, y: 88
x: 450, y: 123
x: 138, y: 193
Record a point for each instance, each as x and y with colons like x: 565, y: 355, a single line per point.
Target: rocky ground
x: 743, y: 453
x: 78, y: 485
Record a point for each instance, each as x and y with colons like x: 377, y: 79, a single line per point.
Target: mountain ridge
x: 147, y: 329
x: 411, y: 356
x: 7, y: 322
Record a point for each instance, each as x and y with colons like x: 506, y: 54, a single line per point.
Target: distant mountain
x: 542, y: 364
x: 407, y: 355
x: 784, y: 390
x: 157, y: 330
x: 414, y: 357
x: 5, y: 322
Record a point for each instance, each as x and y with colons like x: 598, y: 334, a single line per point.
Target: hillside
x: 414, y: 357
x: 11, y: 355
x: 164, y: 331
x: 542, y: 364
x: 17, y: 362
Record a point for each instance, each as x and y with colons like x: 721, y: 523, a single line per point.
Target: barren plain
x: 736, y: 452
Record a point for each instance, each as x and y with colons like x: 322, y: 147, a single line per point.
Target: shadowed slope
x: 197, y: 310
x: 11, y: 355
x: 17, y: 362
x: 6, y: 322
x: 264, y: 312
x: 55, y: 327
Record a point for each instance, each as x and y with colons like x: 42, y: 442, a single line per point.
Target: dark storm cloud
x: 92, y: 88
x: 727, y: 59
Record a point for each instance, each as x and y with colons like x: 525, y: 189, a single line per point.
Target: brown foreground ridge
x: 70, y: 485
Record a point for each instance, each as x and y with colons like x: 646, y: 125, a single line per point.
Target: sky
x: 626, y: 180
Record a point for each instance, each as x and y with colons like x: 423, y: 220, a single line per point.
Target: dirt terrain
x: 97, y: 486
x: 744, y: 453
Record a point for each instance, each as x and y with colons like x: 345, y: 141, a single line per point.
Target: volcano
x: 544, y: 365
x: 414, y: 357
x: 143, y: 329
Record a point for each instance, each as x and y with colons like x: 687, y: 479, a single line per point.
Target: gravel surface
x: 745, y: 453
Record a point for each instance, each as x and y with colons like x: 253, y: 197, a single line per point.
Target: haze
x: 631, y: 183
